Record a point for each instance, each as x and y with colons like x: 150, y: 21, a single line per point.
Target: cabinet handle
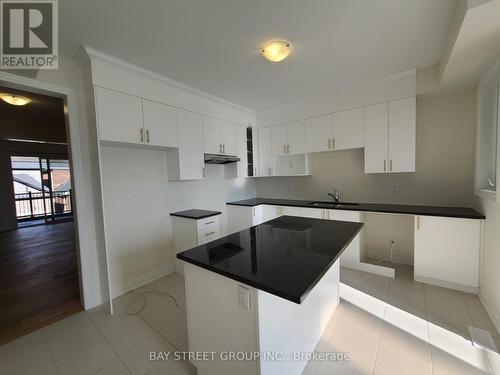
x: 270, y: 171
x: 418, y: 222
x: 203, y: 171
x: 209, y: 222
x: 329, y: 142
x: 390, y: 165
x: 288, y: 148
x: 209, y: 233
x: 284, y: 149
x: 224, y: 149
x: 333, y: 143
x: 142, y: 135
x: 147, y: 135
x: 385, y: 165
x: 253, y: 211
x: 255, y: 171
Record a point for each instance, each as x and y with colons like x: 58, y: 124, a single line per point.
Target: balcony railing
x: 31, y: 205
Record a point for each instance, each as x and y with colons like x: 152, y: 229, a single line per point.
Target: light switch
x: 244, y: 297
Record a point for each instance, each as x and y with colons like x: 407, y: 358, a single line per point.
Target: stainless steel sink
x: 333, y: 204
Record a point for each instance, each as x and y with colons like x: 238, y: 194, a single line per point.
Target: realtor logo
x: 29, y: 35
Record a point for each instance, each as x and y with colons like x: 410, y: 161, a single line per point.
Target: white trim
x: 141, y: 280
x: 446, y: 284
x: 370, y: 268
x: 94, y: 54
x: 89, y: 279
x: 490, y: 309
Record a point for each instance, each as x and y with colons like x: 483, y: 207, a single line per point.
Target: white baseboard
x: 490, y: 309
x: 142, y: 280
x: 446, y: 284
x: 370, y: 268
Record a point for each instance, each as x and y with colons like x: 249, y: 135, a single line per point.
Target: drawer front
x: 208, y: 223
x: 207, y: 236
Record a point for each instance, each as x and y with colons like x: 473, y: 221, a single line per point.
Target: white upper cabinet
x: 160, y: 124
x: 348, y: 129
x: 376, y: 138
x: 296, y: 142
x: 402, y: 118
x: 228, y: 137
x: 219, y: 136
x: 119, y: 116
x: 338, y: 131
x: 318, y: 134
x: 288, y: 139
x: 265, y: 152
x: 390, y: 136
x: 190, y: 161
x: 279, y: 139
x: 211, y: 135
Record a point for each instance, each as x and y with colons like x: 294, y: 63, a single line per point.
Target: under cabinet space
x: 389, y: 239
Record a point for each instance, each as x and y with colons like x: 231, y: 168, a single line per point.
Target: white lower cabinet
x: 189, y: 233
x: 447, y: 252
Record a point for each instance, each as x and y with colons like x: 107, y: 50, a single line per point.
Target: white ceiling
x: 213, y: 45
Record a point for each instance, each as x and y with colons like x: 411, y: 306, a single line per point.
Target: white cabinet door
x: 228, y: 137
x: 349, y: 129
x: 318, y: 134
x: 376, y: 138
x: 447, y: 251
x: 265, y: 154
x: 352, y: 254
x: 402, y: 135
x: 191, y: 160
x: 211, y: 135
x: 241, y: 151
x: 119, y: 116
x: 279, y: 139
x: 296, y: 141
x: 160, y: 124
x: 315, y: 213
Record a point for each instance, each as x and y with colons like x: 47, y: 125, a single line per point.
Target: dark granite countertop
x: 459, y: 212
x: 195, y: 214
x: 286, y: 256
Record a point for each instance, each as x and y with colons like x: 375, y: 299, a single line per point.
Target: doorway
x: 39, y: 270
x: 42, y: 190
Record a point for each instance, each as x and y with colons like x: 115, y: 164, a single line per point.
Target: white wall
x: 140, y: 238
x: 444, y: 165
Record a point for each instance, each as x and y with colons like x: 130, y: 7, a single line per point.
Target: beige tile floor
x: 388, y: 326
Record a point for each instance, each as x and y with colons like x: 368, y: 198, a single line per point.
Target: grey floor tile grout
x: 112, y: 348
x: 49, y: 349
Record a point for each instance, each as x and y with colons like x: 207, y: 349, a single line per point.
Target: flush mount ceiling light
x: 14, y: 99
x: 276, y: 51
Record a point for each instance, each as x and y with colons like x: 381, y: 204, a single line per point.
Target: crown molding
x: 86, y: 54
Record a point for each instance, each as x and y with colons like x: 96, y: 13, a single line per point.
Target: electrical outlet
x: 244, y: 297
x: 130, y: 201
x: 395, y: 188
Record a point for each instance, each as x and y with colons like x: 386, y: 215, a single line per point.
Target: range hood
x: 220, y: 159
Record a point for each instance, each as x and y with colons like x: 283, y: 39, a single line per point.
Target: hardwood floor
x: 38, y: 278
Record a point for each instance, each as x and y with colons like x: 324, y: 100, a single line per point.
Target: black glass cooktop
x: 286, y: 256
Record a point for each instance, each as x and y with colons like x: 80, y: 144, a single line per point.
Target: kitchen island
x: 269, y: 289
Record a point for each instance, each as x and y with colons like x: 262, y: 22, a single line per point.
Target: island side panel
x: 288, y: 327
x: 216, y: 322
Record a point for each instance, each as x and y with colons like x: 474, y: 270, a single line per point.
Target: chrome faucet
x: 335, y: 195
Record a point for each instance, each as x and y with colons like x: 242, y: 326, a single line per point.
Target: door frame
x: 92, y: 290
